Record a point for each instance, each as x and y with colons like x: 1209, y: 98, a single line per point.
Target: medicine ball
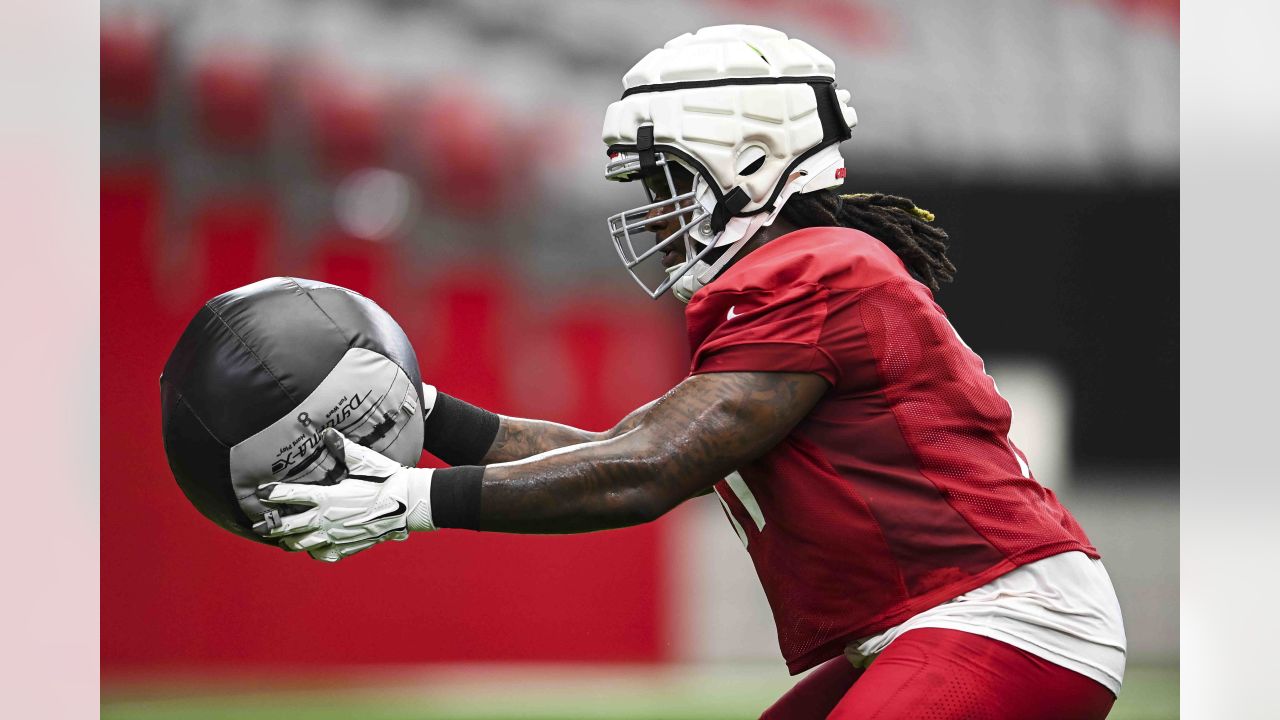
x: 261, y: 370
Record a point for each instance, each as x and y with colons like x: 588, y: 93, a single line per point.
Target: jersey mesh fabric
x: 955, y: 421
x: 900, y: 490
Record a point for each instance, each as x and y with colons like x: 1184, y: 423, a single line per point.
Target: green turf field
x: 507, y: 693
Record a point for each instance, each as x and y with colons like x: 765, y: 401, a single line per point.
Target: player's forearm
x: 462, y: 434
x: 658, y: 457
x: 600, y: 485
x: 520, y: 438
x: 703, y: 429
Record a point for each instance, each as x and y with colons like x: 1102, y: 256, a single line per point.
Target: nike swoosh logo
x: 732, y: 314
x: 399, y: 509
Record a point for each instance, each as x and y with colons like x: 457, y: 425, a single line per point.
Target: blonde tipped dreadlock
x: 894, y: 221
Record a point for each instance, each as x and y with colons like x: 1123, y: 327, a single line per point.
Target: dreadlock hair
x: 894, y: 221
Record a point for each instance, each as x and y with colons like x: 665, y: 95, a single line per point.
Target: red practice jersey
x: 900, y: 490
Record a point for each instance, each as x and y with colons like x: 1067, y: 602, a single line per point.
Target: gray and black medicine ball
x: 261, y: 370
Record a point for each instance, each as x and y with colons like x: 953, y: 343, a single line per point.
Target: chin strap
x: 700, y: 274
x: 706, y: 276
x: 821, y: 173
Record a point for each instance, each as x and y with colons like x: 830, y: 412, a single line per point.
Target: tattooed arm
x: 674, y: 448
x: 519, y: 438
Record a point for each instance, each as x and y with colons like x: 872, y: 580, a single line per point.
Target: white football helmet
x: 755, y: 116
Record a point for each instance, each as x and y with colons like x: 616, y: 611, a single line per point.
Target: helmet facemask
x: 671, y: 202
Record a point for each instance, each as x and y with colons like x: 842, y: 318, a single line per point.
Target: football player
x: 857, y: 444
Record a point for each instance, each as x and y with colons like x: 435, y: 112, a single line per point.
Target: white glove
x: 378, y: 500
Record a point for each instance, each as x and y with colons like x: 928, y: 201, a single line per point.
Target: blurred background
x: 443, y: 158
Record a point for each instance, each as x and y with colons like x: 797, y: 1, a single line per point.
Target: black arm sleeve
x: 458, y: 432
x: 455, y: 497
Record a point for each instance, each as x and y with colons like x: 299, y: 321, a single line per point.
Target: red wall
x: 179, y: 593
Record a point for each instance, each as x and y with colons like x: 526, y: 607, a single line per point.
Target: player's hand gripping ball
x: 378, y: 500
x: 260, y: 372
